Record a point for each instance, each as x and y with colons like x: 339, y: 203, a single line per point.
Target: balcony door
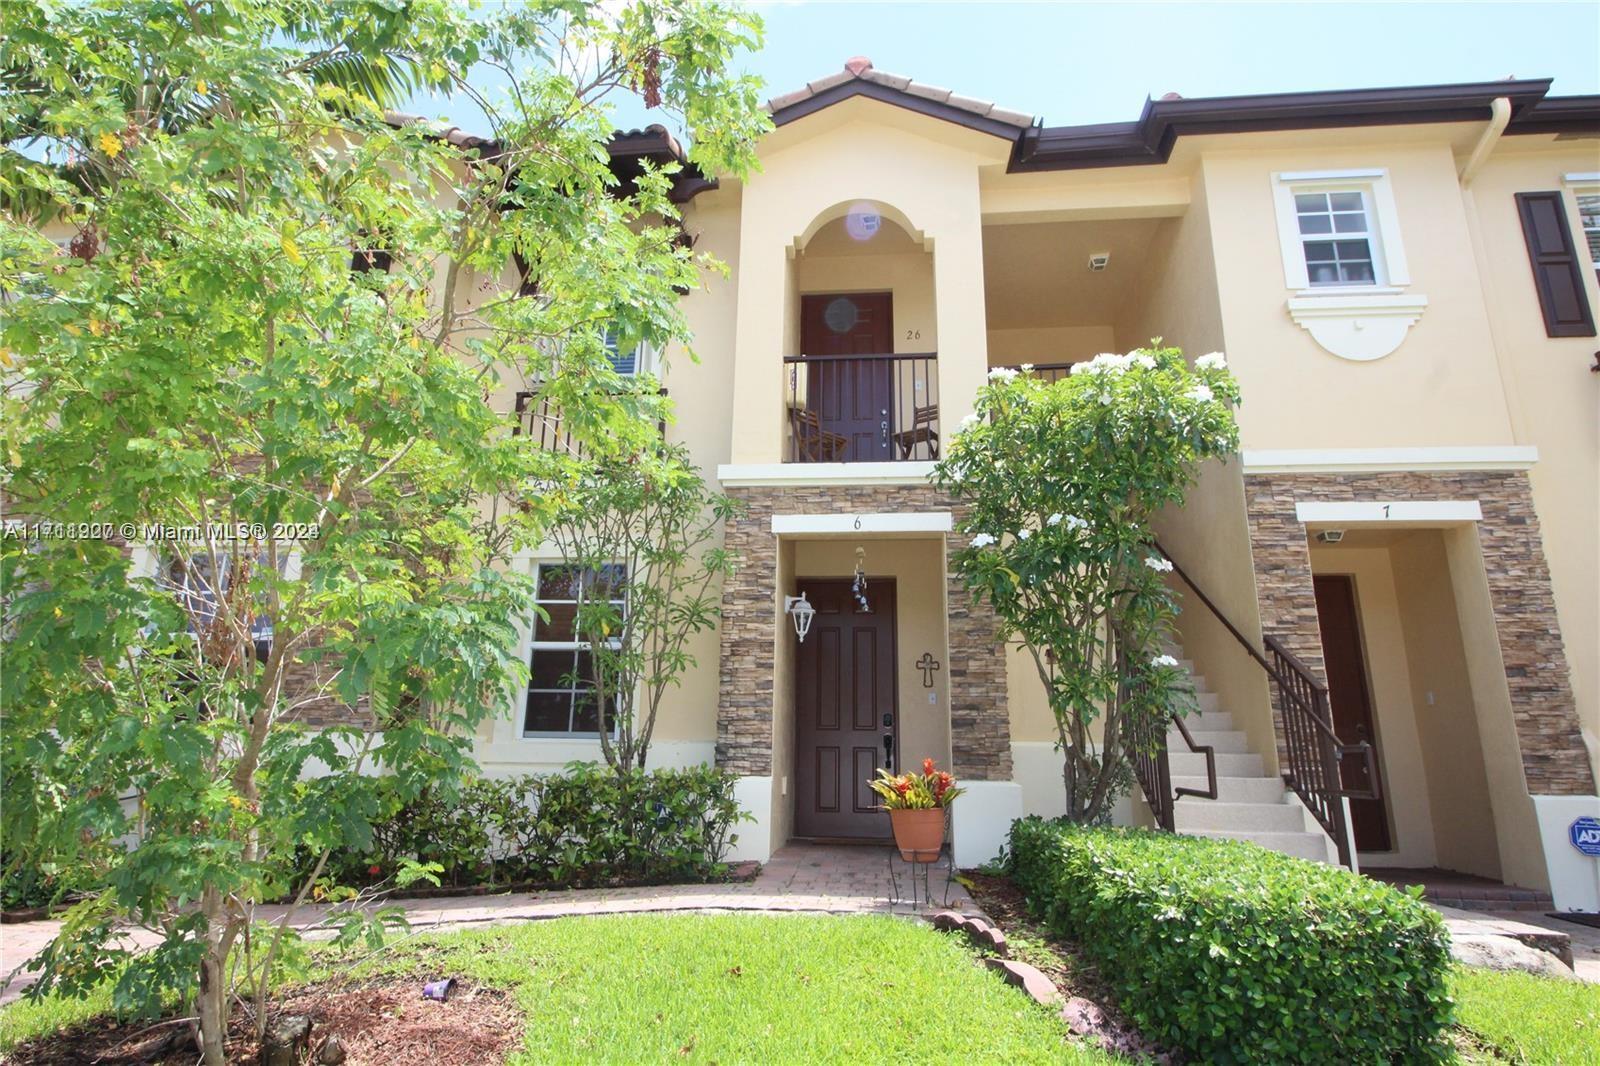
x: 852, y: 395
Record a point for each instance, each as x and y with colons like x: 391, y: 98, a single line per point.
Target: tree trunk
x: 212, y: 1004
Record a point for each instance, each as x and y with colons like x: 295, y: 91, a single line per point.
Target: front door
x: 852, y: 395
x: 844, y: 708
x: 1351, y: 702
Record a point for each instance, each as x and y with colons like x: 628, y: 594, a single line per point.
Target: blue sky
x: 1074, y: 63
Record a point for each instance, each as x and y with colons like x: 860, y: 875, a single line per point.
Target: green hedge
x: 1233, y: 953
x: 586, y: 825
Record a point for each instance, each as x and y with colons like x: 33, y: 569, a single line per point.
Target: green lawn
x: 1527, y: 1019
x: 727, y: 988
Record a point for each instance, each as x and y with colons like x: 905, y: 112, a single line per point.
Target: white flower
x: 1074, y: 522
x: 982, y: 540
x: 1144, y: 362
x: 1211, y: 361
x: 1200, y: 393
x: 1026, y: 367
x: 1163, y: 660
x: 1157, y: 564
x: 1055, y: 519
x: 1024, y: 534
x: 969, y: 421
x: 1105, y: 398
x: 1002, y: 373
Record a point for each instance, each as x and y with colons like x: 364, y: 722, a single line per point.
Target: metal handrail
x: 1315, y: 752
x: 1154, y: 771
x: 535, y: 416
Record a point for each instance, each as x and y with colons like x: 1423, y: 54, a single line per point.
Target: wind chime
x: 858, y: 585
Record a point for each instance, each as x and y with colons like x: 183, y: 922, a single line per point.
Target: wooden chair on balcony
x: 812, y: 443
x: 924, y: 428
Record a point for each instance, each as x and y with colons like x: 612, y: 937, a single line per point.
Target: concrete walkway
x: 811, y: 878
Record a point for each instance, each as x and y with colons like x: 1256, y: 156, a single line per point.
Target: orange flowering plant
x: 916, y: 792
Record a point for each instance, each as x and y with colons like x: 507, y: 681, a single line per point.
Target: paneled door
x: 845, y: 713
x: 853, y: 397
x: 1351, y: 702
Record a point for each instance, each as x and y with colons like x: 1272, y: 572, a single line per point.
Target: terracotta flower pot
x: 918, y: 834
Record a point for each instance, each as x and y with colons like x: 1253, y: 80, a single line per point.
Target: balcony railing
x: 1049, y: 373
x: 537, y: 417
x: 862, y: 408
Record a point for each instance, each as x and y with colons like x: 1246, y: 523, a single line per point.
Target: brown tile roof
x: 858, y: 73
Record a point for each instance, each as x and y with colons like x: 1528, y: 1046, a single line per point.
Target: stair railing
x: 1315, y: 752
x: 1153, y: 769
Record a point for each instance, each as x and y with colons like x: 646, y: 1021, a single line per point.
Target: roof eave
x: 898, y: 98
x: 1151, y: 139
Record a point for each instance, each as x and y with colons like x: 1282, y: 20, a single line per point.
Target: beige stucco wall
x: 919, y: 173
x: 1552, y: 396
x: 1476, y: 369
x: 1441, y: 386
x: 1049, y: 344
x: 1441, y: 699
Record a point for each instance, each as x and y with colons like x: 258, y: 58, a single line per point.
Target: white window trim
x: 1582, y: 185
x: 1356, y: 322
x: 1388, y: 253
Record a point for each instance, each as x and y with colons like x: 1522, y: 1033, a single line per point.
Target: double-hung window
x: 1337, y: 237
x: 561, y: 700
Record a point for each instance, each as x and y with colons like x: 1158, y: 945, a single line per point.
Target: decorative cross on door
x: 927, y: 664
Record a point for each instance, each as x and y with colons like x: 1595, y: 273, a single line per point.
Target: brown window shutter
x: 1557, y: 273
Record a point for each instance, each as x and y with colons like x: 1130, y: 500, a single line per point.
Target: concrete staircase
x: 1251, y: 804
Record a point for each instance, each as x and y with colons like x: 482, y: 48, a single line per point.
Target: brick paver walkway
x: 833, y: 879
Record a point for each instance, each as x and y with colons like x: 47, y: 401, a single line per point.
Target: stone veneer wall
x: 980, y: 728
x: 1554, y: 759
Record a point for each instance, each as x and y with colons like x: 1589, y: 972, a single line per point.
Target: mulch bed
x: 1095, y: 1016
x: 378, y: 1021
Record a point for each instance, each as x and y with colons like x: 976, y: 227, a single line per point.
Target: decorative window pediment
x: 1343, y: 260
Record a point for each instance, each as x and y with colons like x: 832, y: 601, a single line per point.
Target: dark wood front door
x: 1351, y: 702
x: 845, y: 696
x: 852, y: 397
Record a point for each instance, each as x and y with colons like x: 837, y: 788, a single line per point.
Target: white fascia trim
x: 1360, y: 460
x: 1318, y: 513
x: 880, y: 522
x: 1585, y: 178
x: 741, y: 475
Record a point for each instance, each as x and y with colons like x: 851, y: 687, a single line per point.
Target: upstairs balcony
x: 867, y: 343
x: 861, y: 408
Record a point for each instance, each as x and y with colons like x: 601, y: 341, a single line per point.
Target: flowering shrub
x: 916, y: 792
x: 1060, y: 480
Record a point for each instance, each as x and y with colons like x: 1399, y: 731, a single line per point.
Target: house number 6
x: 858, y: 521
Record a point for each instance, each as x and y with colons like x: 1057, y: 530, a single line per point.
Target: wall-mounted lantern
x: 800, y: 610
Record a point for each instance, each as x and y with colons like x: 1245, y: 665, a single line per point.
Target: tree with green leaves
x: 250, y: 458
x: 1060, y: 481
x: 639, y: 533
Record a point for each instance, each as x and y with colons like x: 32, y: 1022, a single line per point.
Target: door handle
x: 888, y: 752
x: 883, y: 431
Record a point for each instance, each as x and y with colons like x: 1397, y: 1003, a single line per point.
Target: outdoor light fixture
x: 1099, y: 260
x: 799, y: 608
x: 1331, y: 536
